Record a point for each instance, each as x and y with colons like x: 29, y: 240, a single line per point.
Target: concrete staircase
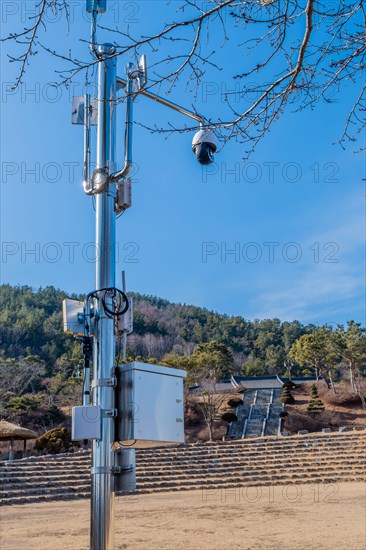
x: 272, y: 425
x: 259, y: 414
x: 312, y: 458
x: 237, y: 428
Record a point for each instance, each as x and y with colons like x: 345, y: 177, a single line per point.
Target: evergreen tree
x: 286, y: 397
x: 315, y: 404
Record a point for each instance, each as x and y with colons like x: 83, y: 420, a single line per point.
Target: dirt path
x: 305, y: 517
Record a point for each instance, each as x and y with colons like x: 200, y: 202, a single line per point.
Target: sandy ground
x: 306, y: 517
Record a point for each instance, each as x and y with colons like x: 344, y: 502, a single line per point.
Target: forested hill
x: 31, y: 324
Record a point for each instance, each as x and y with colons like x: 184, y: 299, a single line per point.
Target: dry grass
x: 300, y: 517
x: 341, y: 409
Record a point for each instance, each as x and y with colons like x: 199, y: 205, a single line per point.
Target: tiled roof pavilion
x: 267, y: 382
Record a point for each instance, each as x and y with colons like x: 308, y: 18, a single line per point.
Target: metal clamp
x: 116, y: 470
x: 102, y: 470
x: 109, y: 413
x: 104, y: 382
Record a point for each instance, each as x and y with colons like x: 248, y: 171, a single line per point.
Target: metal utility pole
x: 107, y: 310
x: 102, y: 502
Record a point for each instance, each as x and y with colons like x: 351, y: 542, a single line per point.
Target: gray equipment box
x: 85, y: 422
x: 73, y: 316
x: 150, y: 405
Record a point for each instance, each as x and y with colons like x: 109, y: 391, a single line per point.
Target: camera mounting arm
x: 165, y: 102
x: 100, y: 180
x: 204, y: 144
x: 128, y: 84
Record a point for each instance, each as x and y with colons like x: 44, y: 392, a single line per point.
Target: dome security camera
x: 204, y: 146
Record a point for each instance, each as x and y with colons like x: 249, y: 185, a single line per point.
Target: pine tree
x: 315, y: 404
x: 286, y: 396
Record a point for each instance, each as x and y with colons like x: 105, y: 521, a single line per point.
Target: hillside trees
x: 31, y: 324
x: 318, y: 351
x: 31, y: 399
x: 308, y: 350
x: 213, y: 360
x: 20, y: 375
x: 327, y: 350
x: 272, y: 341
x: 350, y: 343
x: 208, y: 364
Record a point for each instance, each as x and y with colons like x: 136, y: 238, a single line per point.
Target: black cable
x: 87, y: 353
x: 131, y: 445
x: 87, y: 349
x: 122, y: 298
x: 116, y: 291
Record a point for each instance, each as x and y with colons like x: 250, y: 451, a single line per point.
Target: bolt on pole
x: 103, y: 496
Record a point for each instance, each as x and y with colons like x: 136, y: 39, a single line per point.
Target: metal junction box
x: 86, y: 422
x: 150, y: 405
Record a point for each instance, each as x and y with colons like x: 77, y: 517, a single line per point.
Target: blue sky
x: 280, y: 235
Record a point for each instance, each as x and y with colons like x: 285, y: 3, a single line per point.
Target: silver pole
x: 124, y: 335
x: 102, y: 501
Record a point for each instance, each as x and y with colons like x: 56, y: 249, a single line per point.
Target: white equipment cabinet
x: 150, y: 404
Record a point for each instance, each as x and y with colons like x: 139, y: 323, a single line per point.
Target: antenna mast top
x: 98, y: 6
x: 94, y: 7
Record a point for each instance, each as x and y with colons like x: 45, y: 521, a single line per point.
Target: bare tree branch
x: 287, y: 69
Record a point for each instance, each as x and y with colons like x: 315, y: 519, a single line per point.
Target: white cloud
x: 321, y: 290
x: 318, y: 292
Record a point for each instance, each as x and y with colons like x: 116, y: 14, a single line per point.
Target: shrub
x: 286, y: 396
x: 55, y: 441
x: 229, y: 417
x: 315, y: 404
